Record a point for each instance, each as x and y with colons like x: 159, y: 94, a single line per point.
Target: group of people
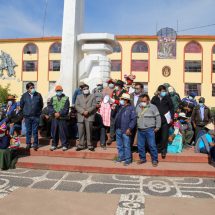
x: 117, y: 112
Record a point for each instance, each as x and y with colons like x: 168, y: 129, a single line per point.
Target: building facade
x: 188, y: 64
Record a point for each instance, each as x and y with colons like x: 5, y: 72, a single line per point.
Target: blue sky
x: 24, y: 18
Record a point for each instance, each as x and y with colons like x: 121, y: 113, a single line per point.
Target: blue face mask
x: 201, y: 104
x: 59, y: 93
x: 99, y: 87
x: 33, y: 91
x: 162, y: 94
x: 182, y: 121
x: 122, y: 102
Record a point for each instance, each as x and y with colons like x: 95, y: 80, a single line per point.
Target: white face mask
x: 143, y: 104
x: 86, y: 92
x: 111, y: 86
x: 116, y: 88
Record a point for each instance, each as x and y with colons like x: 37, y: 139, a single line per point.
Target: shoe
x: 154, y: 163
x: 126, y: 163
x: 28, y: 147
x: 163, y: 155
x: 109, y: 142
x: 92, y: 149
x: 103, y: 147
x: 53, y: 148
x: 79, y: 149
x: 35, y: 148
x: 187, y: 146
x: 64, y: 148
x: 118, y: 160
x: 141, y: 162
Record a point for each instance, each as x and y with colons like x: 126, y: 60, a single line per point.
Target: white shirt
x: 136, y: 97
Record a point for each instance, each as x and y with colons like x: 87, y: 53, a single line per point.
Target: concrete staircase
x: 186, y: 164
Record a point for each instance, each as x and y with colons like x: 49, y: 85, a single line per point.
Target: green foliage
x: 4, y: 92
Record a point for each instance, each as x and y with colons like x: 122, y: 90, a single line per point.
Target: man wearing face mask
x: 117, y: 93
x: 98, y: 91
x: 86, y: 109
x: 59, y: 110
x: 125, y: 121
x: 31, y: 105
x: 188, y: 103
x: 109, y: 89
x: 201, y: 116
x: 135, y: 96
x: 166, y: 109
x: 148, y: 123
x: 175, y: 98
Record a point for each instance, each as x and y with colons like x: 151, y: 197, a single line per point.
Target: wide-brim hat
x: 81, y: 83
x: 126, y: 96
x: 182, y: 115
x: 11, y: 97
x: 210, y: 126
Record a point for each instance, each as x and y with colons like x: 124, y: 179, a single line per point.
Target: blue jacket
x: 31, y: 107
x: 128, y: 118
x: 76, y: 93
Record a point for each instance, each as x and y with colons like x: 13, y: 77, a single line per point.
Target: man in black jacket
x: 31, y: 105
x: 166, y: 109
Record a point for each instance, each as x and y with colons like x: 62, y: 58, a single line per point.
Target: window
x: 213, y: 66
x: 24, y: 85
x: 139, y: 65
x: 191, y: 87
x: 51, y: 85
x: 193, y: 47
x: 213, y: 89
x: 30, y: 49
x: 117, y: 48
x: 54, y: 65
x: 55, y: 48
x: 140, y: 47
x: 116, y: 65
x: 193, y: 66
x: 30, y: 66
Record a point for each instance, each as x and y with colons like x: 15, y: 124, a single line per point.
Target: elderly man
x: 148, y: 123
x: 59, y: 111
x: 31, y: 105
x: 86, y: 109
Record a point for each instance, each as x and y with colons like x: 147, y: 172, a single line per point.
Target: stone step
x: 187, y: 156
x: 109, y: 167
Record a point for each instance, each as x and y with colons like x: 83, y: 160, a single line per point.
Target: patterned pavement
x: 132, y: 188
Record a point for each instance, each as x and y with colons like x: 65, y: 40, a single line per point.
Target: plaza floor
x: 123, y: 194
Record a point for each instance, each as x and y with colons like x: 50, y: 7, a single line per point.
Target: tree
x: 4, y: 93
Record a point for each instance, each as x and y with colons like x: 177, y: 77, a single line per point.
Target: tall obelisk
x: 73, y: 20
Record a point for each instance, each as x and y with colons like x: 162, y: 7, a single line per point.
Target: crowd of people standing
x: 121, y: 112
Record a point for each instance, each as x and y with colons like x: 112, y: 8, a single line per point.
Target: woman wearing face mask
x: 166, y: 109
x: 148, y: 123
x: 125, y: 121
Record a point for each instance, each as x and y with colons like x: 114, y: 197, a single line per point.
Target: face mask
x: 59, y: 93
x: 143, y: 104
x: 122, y: 102
x: 201, y: 104
x: 86, y: 92
x: 182, y: 121
x: 10, y: 103
x: 111, y: 86
x: 190, y: 97
x: 33, y: 91
x: 116, y: 88
x: 162, y: 94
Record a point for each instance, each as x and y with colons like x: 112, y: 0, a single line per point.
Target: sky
x: 25, y: 18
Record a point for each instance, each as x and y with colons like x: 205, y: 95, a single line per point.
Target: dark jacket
x: 196, y: 116
x: 31, y: 107
x: 64, y: 113
x: 128, y: 118
x: 132, y: 100
x: 75, y: 95
x: 16, y: 118
x: 164, y: 106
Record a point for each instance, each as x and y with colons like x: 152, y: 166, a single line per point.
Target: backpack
x: 176, y: 145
